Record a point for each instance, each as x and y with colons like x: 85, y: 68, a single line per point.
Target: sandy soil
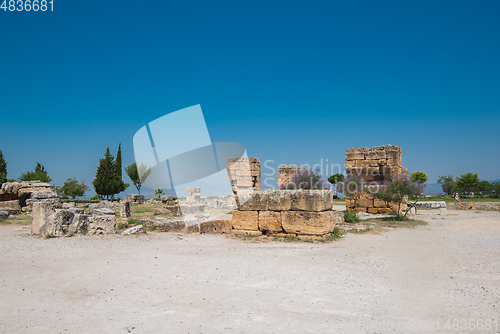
x: 401, y: 281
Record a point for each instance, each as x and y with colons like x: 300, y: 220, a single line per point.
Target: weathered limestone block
x: 139, y: 229
x: 246, y: 232
x: 125, y: 209
x: 378, y: 154
x: 308, y: 223
x: 245, y: 220
x: 311, y: 200
x: 216, y: 226
x: 373, y: 210
x: 103, y: 222
x: 174, y: 209
x: 41, y: 211
x: 68, y: 205
x: 10, y: 206
x: 256, y: 200
x: 192, y: 226
x: 365, y: 200
x: 167, y: 199
x: 191, y: 208
x: 378, y: 203
x: 177, y: 225
x: 280, y: 200
x: 270, y: 221
x: 468, y: 206
x: 355, y: 156
x: 57, y: 224
x: 80, y: 222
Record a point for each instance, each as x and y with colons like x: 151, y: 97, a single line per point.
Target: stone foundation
x: 244, y: 173
x: 282, y: 212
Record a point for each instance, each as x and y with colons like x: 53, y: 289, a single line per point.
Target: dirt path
x: 174, y: 283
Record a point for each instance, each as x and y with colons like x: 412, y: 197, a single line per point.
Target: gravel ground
x: 400, y: 281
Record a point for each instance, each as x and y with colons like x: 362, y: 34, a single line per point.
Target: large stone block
x: 10, y: 206
x: 102, y: 224
x: 216, y: 226
x: 354, y: 156
x: 270, y: 221
x: 245, y: 220
x: 252, y: 200
x: 279, y: 200
x: 376, y: 154
x: 378, y: 203
x: 41, y: 211
x: 366, y: 200
x: 311, y: 200
x: 308, y: 223
x: 125, y: 209
x: 57, y: 224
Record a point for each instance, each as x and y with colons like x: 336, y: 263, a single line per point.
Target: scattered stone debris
x: 139, y: 229
x: 467, y: 206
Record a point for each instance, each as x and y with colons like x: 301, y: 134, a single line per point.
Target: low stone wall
x: 296, y: 212
x: 430, y: 205
x: 367, y: 203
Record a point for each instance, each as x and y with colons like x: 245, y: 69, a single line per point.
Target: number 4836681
x: 27, y: 5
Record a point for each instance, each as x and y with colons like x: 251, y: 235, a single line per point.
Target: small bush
x: 121, y: 225
x: 351, y: 217
x: 151, y: 228
x: 64, y: 197
x: 133, y: 221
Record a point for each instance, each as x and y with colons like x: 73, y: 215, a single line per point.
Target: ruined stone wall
x: 244, y: 173
x: 285, y: 212
x: 286, y: 174
x: 17, y: 196
x: 374, y: 165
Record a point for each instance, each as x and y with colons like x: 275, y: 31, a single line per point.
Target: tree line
x: 468, y: 184
x: 107, y: 183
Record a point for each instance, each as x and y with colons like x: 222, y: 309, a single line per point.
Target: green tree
x: 3, y: 169
x: 419, y: 177
x: 133, y: 173
x: 496, y: 189
x: 467, y: 183
x: 334, y: 179
x: 159, y: 192
x: 120, y: 185
x: 72, y: 188
x: 39, y: 174
x: 485, y: 187
x: 397, y: 190
x: 448, y: 183
x: 105, y: 177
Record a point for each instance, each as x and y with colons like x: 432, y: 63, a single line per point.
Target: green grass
x: 151, y: 228
x: 463, y: 199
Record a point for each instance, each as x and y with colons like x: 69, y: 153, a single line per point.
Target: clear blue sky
x: 295, y: 82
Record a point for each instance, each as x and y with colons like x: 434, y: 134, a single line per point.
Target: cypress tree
x: 105, y: 176
x: 3, y: 169
x: 120, y: 185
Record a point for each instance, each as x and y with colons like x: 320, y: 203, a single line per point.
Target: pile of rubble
x: 50, y: 220
x: 19, y: 196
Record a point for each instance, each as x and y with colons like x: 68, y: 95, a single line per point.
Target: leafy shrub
x: 64, y: 197
x: 306, y: 179
x: 151, y: 228
x: 351, y: 216
x: 133, y: 221
x: 121, y: 225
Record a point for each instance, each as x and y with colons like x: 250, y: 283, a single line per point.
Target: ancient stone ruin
x: 277, y: 212
x: 19, y: 196
x: 374, y: 165
x: 244, y: 173
x: 134, y: 199
x: 50, y: 220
